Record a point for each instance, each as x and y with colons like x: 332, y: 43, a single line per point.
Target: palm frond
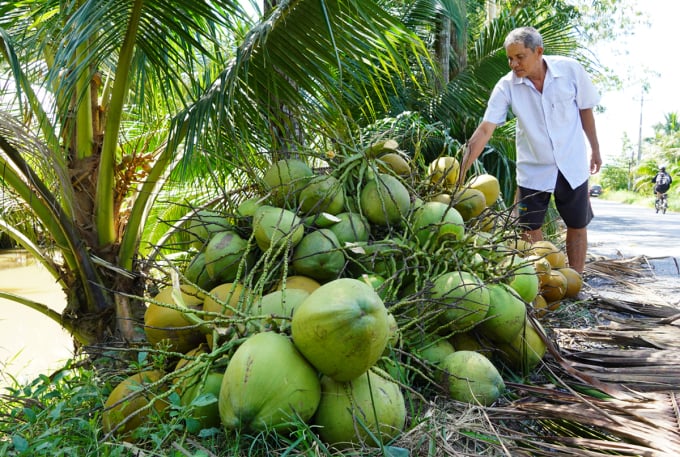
x: 310, y: 60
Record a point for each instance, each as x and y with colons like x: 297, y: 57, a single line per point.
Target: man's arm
x: 478, y: 140
x: 588, y: 124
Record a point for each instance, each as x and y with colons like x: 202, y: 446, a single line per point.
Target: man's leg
x: 577, y: 246
x: 532, y: 235
x: 531, y: 206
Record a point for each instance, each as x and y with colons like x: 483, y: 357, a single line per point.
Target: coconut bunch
x: 335, y: 290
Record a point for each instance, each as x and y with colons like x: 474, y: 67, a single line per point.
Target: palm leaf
x: 291, y: 61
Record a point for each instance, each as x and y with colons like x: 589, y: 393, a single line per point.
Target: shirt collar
x: 553, y: 71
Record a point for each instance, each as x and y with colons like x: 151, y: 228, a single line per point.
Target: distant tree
x: 615, y: 176
x: 663, y: 149
x: 671, y: 126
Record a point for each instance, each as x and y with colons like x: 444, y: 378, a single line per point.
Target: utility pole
x: 642, y: 99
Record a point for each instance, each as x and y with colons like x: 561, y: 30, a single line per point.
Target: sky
x: 651, y: 51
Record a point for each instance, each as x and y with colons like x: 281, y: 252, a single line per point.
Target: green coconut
x: 469, y: 202
x: 525, y: 280
x: 394, y: 334
x: 488, y: 185
x: 470, y: 341
x: 433, y: 349
x: 248, y: 206
x: 170, y: 323
x: 351, y: 228
x: 471, y: 377
x: 434, y: 222
x: 360, y: 411
x: 204, y: 224
x: 506, y: 314
x: 279, y: 306
x: 225, y: 299
x: 123, y: 409
x: 225, y: 253
x: 526, y: 350
x: 318, y: 256
x: 285, y: 179
x: 322, y: 194
x: 200, y: 393
x: 197, y: 273
x: 273, y: 225
x: 377, y: 282
x: 268, y: 385
x: 464, y: 298
x: 385, y: 201
x: 341, y: 328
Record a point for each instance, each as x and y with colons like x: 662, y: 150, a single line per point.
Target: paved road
x: 620, y: 230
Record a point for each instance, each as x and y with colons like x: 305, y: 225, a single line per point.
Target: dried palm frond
x: 648, y: 426
x: 614, y: 269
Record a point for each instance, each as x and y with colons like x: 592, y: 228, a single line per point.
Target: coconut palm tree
x: 141, y: 90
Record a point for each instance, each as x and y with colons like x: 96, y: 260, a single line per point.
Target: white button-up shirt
x: 549, y: 134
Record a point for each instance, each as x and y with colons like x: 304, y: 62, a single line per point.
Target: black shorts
x: 572, y: 204
x: 661, y: 188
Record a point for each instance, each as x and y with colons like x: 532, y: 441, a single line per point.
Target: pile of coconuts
x: 334, y: 292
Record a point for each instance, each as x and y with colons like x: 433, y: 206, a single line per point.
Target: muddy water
x: 30, y: 343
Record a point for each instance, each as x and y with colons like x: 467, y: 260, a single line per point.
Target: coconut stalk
x: 104, y: 208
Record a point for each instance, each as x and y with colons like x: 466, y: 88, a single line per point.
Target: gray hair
x: 529, y: 37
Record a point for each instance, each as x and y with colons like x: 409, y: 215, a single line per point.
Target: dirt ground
x: 30, y: 343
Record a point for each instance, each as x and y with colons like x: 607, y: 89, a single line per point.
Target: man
x: 662, y: 182
x: 553, y: 99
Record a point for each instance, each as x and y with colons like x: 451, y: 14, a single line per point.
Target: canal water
x: 30, y: 343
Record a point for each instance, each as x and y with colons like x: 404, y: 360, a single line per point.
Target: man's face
x: 523, y: 61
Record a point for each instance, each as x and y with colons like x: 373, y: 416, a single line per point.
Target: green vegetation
x: 628, y: 181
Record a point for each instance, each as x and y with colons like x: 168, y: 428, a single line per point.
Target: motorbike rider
x: 662, y: 182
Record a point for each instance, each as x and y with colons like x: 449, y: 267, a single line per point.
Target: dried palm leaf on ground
x: 652, y: 304
x: 546, y: 421
x: 635, y: 333
x: 648, y: 426
x: 639, y: 358
x: 614, y: 269
x: 653, y: 280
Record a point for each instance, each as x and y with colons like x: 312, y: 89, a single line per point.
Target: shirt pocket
x: 563, y: 104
